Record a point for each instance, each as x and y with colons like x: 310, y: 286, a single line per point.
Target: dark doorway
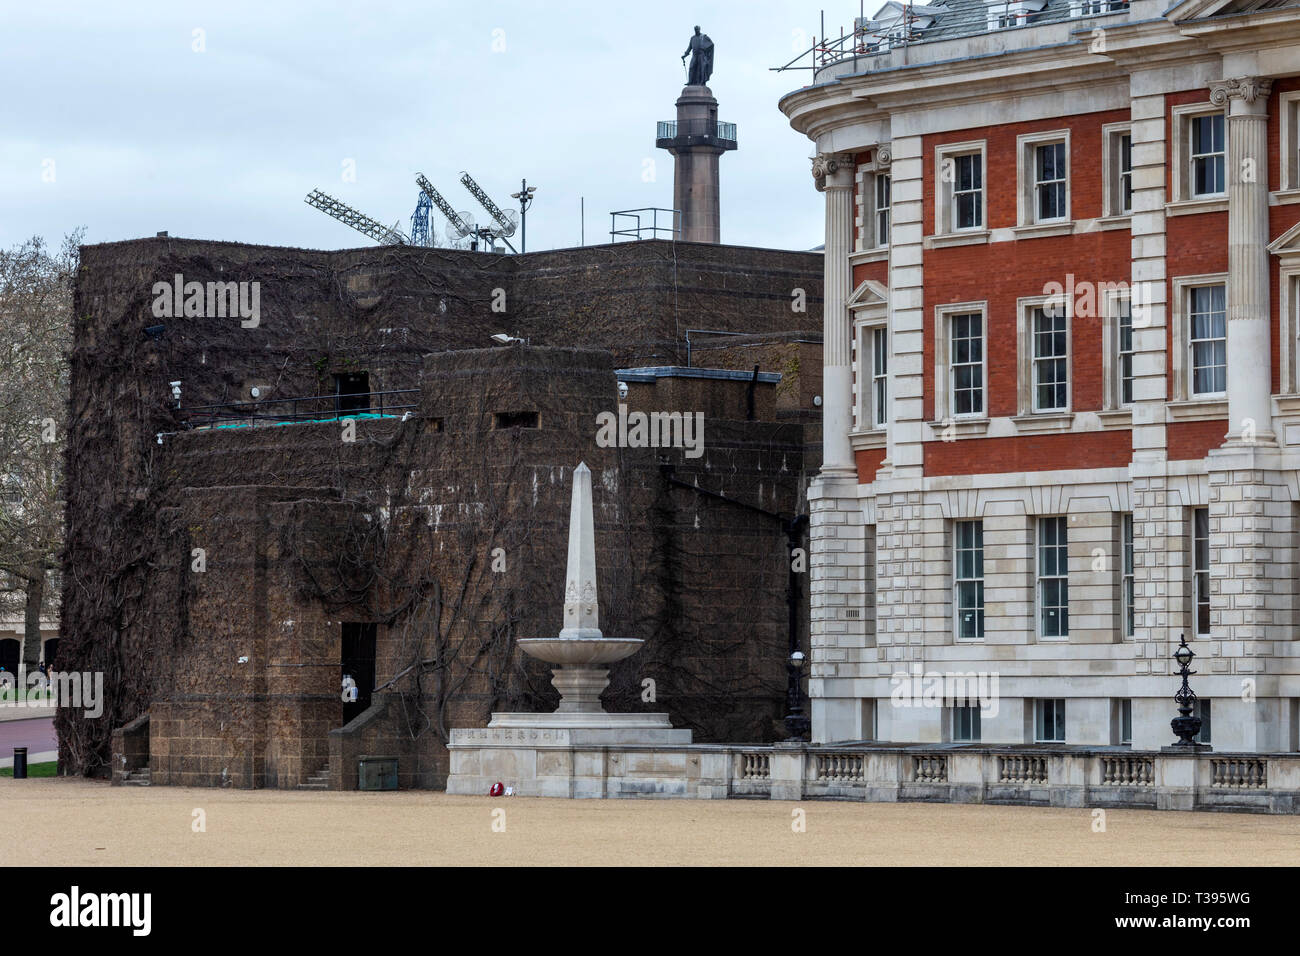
x: 51, y: 652
x: 352, y: 392
x: 359, y: 662
x: 9, y: 654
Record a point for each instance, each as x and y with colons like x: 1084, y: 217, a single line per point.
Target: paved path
x: 36, y: 734
x: 70, y: 821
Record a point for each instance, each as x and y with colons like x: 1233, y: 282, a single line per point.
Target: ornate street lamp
x: 796, y: 723
x: 1185, y: 725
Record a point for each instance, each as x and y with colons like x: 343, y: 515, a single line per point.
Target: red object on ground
x: 497, y: 789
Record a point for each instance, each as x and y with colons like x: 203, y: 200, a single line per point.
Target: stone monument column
x: 696, y: 139
x: 1250, y: 407
x: 834, y: 177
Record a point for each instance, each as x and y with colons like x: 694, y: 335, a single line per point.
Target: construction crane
x: 505, y: 221
x: 452, y: 215
x: 384, y: 235
x: 421, y: 234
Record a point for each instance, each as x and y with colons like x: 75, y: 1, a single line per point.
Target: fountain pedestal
x: 563, y: 754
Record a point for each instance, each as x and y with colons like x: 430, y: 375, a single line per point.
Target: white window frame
x: 945, y: 192
x: 944, y: 379
x: 1113, y: 173
x: 1128, y: 580
x: 1182, y: 337
x: 863, y: 380
x: 1026, y: 357
x: 1040, y: 578
x: 869, y: 309
x: 1058, y: 720
x: 1181, y: 160
x: 1113, y: 306
x: 877, y: 210
x: 1288, y: 307
x: 1200, y: 577
x: 1289, y: 107
x: 867, y: 224
x: 1027, y: 145
x: 974, y: 732
x: 1194, y: 157
x: 1192, y: 342
x: 958, y: 581
x: 878, y: 347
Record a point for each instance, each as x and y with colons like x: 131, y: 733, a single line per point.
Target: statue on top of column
x: 700, y: 50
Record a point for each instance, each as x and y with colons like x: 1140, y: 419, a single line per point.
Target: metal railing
x: 327, y: 408
x: 696, y: 129
x: 637, y: 229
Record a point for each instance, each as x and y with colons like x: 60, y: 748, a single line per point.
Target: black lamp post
x: 796, y: 723
x: 1185, y: 725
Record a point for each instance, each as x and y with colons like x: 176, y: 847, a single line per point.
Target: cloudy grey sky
x: 140, y: 133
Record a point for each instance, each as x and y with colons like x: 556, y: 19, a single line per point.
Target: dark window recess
x: 435, y: 424
x: 358, y: 661
x: 517, y: 420
x: 9, y: 654
x: 353, y: 392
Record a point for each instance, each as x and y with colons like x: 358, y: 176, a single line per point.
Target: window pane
x: 968, y: 573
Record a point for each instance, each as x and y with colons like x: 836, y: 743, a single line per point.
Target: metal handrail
x: 635, y: 231
x: 716, y: 129
x: 199, y: 415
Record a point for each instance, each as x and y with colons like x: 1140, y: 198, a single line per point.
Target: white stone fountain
x: 552, y: 754
x: 580, y: 647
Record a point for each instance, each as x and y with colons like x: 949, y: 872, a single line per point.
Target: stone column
x: 834, y: 176
x: 1250, y: 409
x: 696, y: 183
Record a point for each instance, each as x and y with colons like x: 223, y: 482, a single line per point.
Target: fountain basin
x: 578, y: 651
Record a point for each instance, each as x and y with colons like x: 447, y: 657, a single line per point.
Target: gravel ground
x: 77, y: 822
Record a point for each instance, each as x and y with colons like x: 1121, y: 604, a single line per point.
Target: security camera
x: 622, y: 389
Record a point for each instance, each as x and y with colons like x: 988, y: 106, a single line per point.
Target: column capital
x: 1249, y: 90
x: 835, y: 167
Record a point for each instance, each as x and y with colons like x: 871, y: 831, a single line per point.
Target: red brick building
x: 1062, y: 424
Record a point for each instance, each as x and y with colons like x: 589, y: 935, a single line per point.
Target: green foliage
x: 50, y: 769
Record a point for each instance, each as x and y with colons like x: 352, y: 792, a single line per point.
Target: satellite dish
x: 459, y: 238
x: 508, y: 227
x: 468, y: 217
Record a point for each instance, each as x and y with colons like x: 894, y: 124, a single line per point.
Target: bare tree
x: 35, y: 333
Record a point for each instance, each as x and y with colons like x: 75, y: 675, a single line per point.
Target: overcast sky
x: 141, y: 133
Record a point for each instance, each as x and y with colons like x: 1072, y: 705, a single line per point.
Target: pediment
x: 1287, y: 245
x: 870, y: 294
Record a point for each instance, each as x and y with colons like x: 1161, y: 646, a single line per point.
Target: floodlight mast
x: 385, y: 235
x: 502, y: 220
x: 453, y: 217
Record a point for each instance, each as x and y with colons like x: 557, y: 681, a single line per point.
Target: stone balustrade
x: 1031, y: 775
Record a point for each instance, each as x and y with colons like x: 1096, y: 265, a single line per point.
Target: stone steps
x: 320, y: 780
x: 137, y: 778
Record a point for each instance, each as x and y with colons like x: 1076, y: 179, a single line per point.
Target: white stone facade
x: 883, y: 581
